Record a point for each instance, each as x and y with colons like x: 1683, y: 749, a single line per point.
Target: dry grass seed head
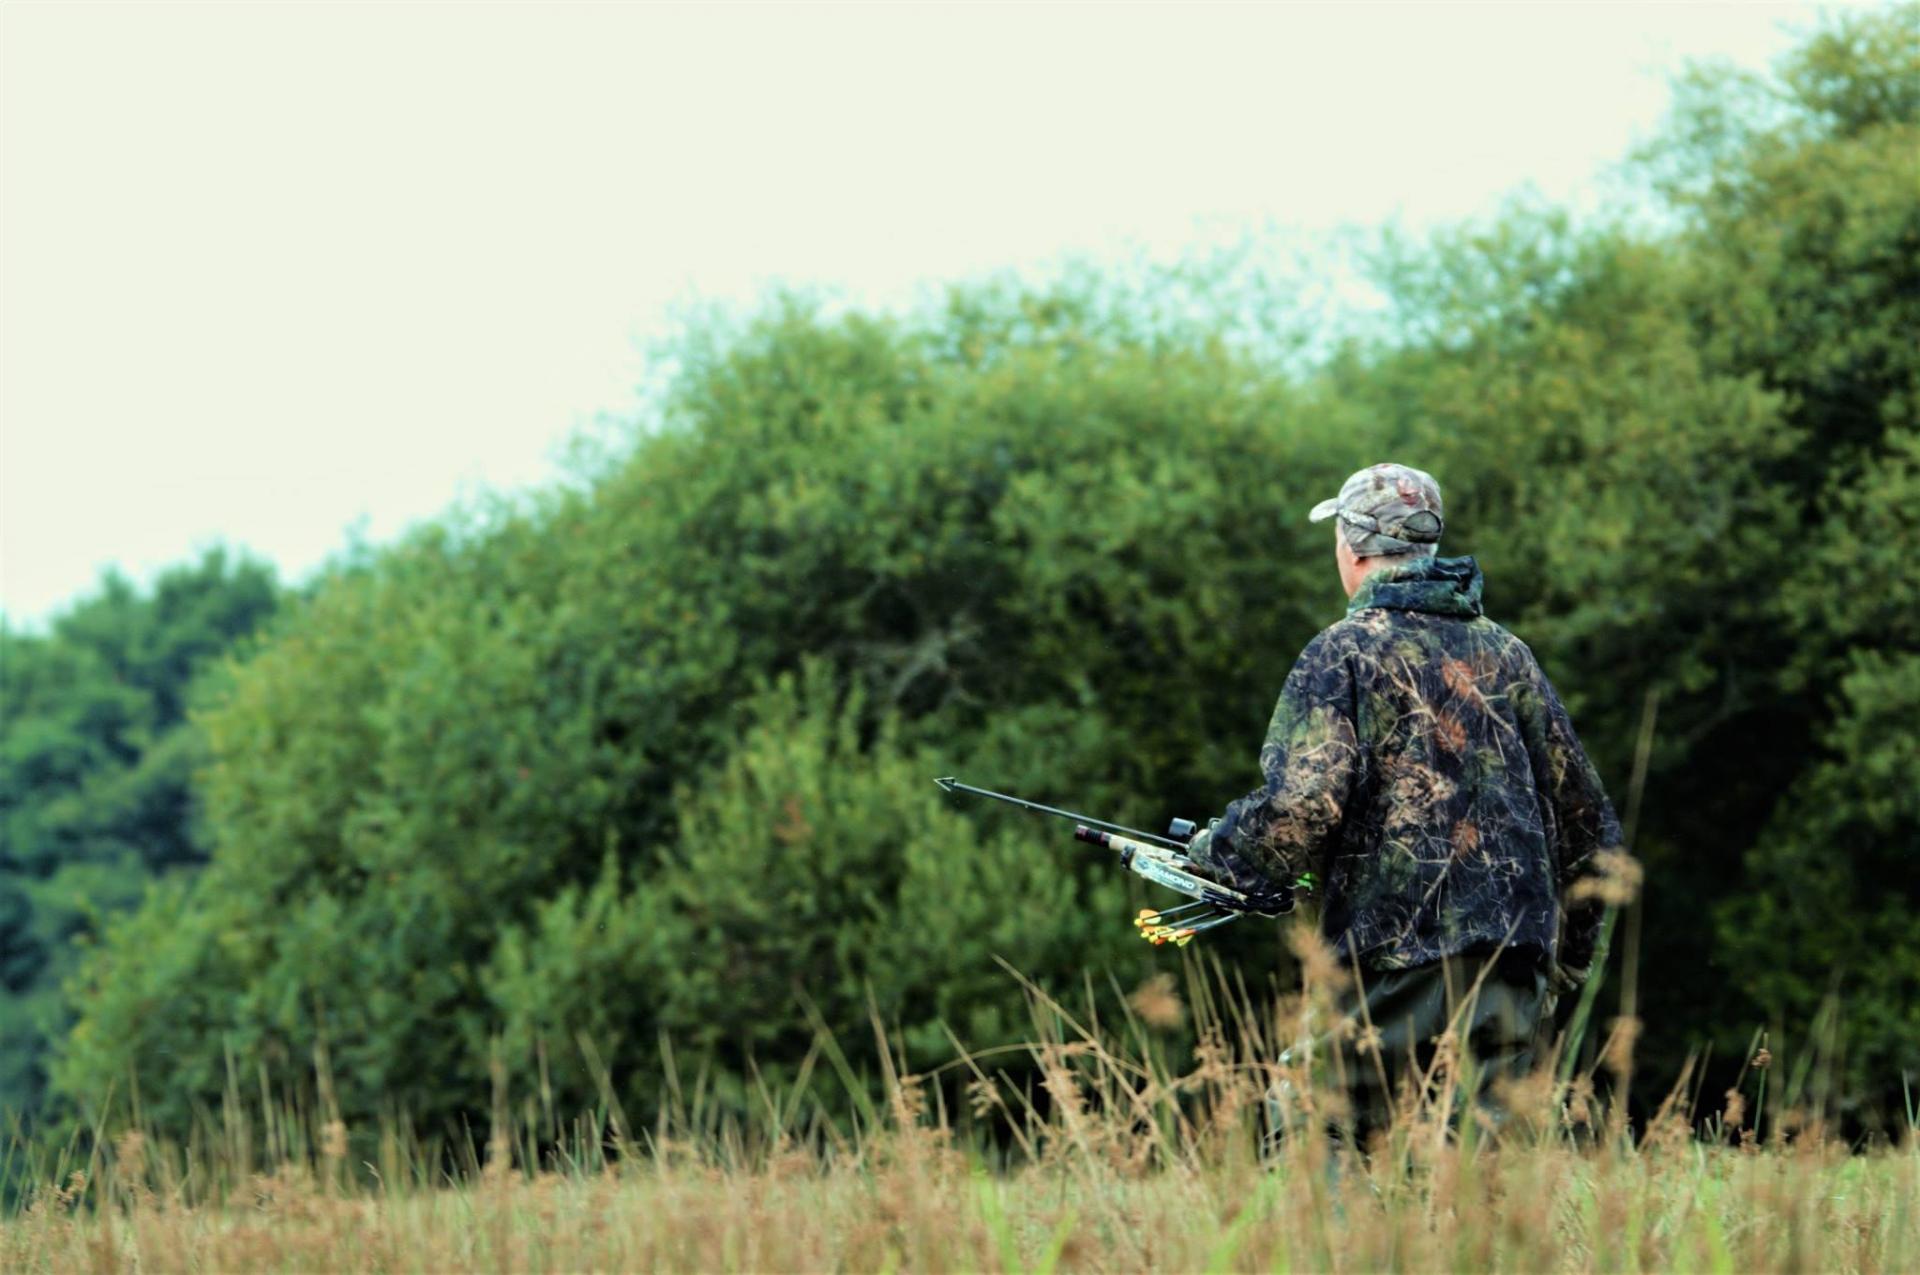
x: 1320, y: 971
x: 1212, y: 1063
x: 1618, y: 1053
x: 1531, y: 1099
x: 76, y: 1187
x: 333, y: 1140
x: 908, y: 1100
x: 983, y: 1097
x: 130, y: 1155
x: 1615, y: 879
x: 1157, y: 1003
x: 1580, y: 1101
x: 1063, y: 1087
x: 1735, y: 1113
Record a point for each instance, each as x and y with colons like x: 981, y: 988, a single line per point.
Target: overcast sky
x: 270, y: 270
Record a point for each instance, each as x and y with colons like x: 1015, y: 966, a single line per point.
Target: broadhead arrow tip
x: 946, y: 783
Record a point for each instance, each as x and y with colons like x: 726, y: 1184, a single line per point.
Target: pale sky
x: 270, y: 270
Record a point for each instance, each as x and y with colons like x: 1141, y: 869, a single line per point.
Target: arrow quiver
x: 1163, y: 861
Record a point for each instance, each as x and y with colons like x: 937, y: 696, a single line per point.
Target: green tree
x: 1806, y: 254
x: 96, y: 762
x: 813, y: 869
x: 1034, y: 542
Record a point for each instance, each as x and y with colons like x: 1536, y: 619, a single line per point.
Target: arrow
x: 950, y: 784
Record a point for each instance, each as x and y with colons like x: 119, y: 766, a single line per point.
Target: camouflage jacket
x: 1421, y: 764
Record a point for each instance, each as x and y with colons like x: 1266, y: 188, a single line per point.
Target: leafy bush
x: 96, y: 766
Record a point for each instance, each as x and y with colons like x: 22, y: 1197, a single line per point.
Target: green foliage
x: 96, y: 764
x: 992, y: 548
x: 1828, y: 905
x: 1807, y: 280
x: 811, y: 870
x: 649, y: 757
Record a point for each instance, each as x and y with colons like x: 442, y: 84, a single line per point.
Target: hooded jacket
x: 1420, y: 763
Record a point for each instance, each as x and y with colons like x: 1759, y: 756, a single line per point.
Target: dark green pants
x: 1392, y: 1023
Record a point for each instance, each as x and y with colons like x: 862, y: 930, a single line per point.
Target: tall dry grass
x: 1092, y: 1148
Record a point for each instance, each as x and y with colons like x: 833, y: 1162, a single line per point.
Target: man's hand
x: 1199, y: 846
x: 1264, y: 897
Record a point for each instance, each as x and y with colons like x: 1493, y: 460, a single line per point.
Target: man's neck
x: 1366, y: 567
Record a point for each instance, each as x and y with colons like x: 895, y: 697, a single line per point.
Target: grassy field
x: 1092, y: 1153
x: 933, y: 1210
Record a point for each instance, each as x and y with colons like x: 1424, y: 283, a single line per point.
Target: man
x: 1421, y: 765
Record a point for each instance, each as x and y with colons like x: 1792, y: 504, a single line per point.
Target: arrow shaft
x: 954, y: 785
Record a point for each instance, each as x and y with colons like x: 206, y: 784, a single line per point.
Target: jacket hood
x: 1438, y: 586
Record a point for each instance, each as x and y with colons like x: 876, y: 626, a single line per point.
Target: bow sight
x: 1163, y: 861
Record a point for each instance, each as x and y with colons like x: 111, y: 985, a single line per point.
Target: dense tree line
x: 647, y: 759
x: 96, y: 772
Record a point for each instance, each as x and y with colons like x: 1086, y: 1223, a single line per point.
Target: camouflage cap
x: 1386, y: 510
